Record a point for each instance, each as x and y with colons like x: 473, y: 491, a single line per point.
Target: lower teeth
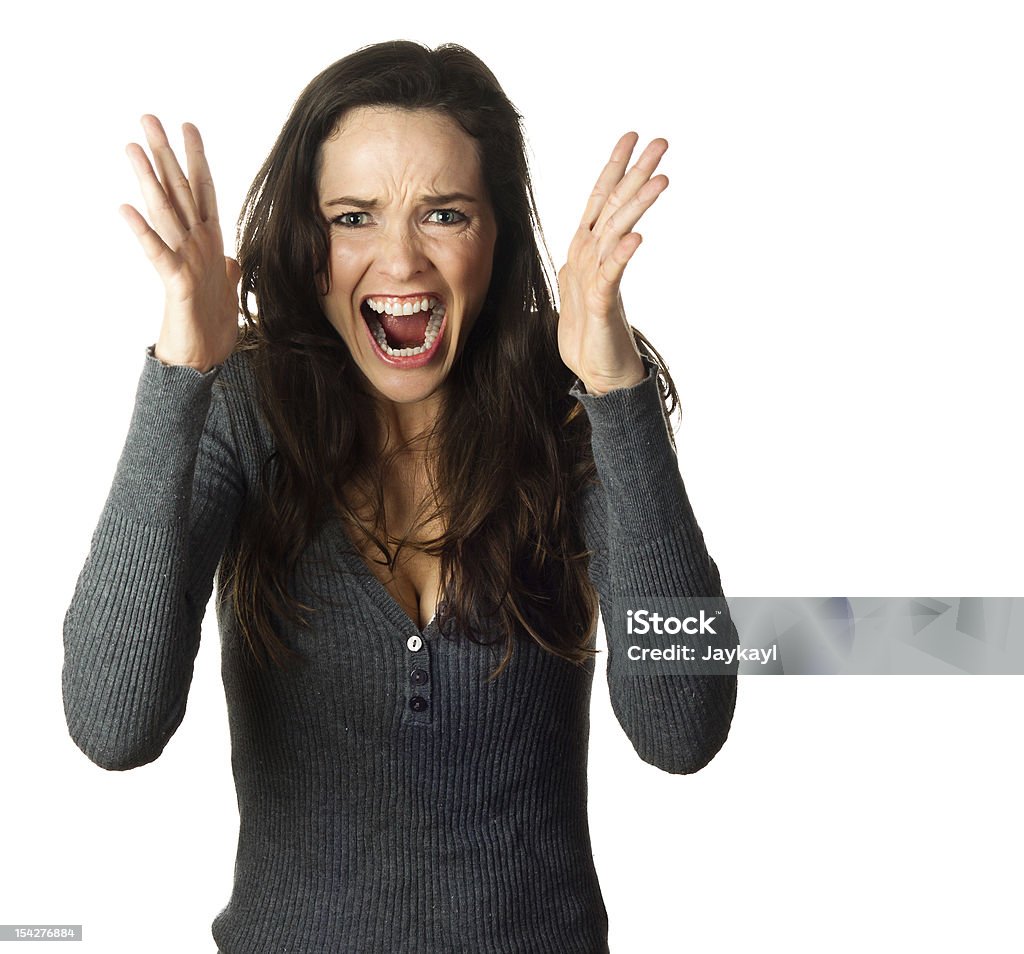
x: 433, y: 327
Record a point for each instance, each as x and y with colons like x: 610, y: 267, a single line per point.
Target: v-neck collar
x: 376, y: 590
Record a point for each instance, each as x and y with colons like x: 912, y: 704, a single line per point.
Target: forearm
x: 655, y: 556
x: 132, y: 629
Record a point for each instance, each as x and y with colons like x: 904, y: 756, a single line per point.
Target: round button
x: 415, y: 644
x: 418, y: 704
x: 419, y: 677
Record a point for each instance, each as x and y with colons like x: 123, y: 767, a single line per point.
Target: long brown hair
x: 510, y: 449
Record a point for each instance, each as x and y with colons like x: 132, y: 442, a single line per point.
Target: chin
x: 407, y: 392
x: 403, y: 385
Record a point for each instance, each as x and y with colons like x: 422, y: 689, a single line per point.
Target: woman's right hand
x: 200, y: 326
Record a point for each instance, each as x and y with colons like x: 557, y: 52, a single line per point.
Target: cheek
x: 349, y: 257
x: 485, y: 258
x: 474, y: 270
x: 342, y: 265
x: 336, y: 298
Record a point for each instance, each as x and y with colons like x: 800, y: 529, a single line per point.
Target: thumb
x: 233, y: 271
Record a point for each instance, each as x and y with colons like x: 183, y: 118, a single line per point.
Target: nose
x: 400, y: 254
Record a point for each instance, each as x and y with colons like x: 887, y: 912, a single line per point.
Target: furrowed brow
x: 447, y: 198
x: 355, y: 202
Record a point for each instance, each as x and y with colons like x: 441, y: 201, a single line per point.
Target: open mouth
x: 404, y: 327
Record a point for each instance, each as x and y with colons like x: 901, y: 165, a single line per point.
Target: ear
x: 323, y: 284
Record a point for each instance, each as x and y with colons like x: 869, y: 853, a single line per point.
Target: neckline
x: 376, y: 590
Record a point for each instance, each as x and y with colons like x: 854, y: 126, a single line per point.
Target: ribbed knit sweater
x: 390, y: 799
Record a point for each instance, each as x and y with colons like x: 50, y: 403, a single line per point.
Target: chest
x: 414, y: 581
x: 413, y: 578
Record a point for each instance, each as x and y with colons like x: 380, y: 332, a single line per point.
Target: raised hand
x: 200, y: 326
x: 594, y: 338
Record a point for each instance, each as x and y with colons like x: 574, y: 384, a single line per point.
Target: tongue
x: 405, y: 332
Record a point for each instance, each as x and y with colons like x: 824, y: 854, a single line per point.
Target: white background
x: 834, y: 276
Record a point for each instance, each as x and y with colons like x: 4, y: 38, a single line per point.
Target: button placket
x: 416, y: 682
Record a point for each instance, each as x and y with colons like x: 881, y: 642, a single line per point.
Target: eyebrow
x: 372, y: 204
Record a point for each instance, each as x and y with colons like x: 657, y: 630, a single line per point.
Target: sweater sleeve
x: 647, y: 546
x: 131, y: 633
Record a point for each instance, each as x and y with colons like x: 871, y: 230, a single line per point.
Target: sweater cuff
x: 154, y: 474
x: 634, y: 456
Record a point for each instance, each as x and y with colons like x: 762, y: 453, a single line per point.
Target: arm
x: 647, y: 544
x: 132, y: 631
x: 641, y: 519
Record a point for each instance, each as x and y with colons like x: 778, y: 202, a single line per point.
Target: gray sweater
x: 369, y: 822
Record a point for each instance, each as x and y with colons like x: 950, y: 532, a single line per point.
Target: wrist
x: 166, y: 358
x: 629, y: 380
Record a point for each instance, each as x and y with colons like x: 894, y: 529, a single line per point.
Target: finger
x: 199, y: 174
x: 613, y: 171
x: 633, y: 180
x: 157, y: 251
x: 161, y: 212
x: 174, y: 181
x: 612, y: 268
x: 625, y: 219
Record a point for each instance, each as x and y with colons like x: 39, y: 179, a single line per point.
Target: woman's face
x: 412, y: 236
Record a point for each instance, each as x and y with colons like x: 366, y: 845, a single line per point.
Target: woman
x: 399, y: 422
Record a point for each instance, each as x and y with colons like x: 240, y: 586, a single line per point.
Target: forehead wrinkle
x: 417, y: 176
x: 381, y: 165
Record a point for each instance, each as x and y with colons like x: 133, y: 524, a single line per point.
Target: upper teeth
x: 402, y: 306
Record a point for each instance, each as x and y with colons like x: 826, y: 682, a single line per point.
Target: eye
x: 351, y: 220
x: 446, y: 217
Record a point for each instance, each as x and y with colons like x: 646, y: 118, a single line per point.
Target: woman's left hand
x: 594, y: 338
